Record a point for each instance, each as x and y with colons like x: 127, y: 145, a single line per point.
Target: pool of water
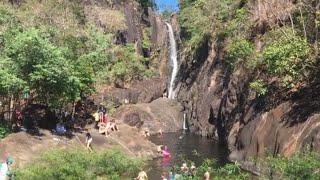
x: 184, y: 146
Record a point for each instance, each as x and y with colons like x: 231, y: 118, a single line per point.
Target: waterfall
x: 185, y: 121
x: 174, y: 61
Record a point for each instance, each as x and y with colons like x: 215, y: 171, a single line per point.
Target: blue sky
x: 167, y: 4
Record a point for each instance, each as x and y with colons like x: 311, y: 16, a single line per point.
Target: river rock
x: 163, y: 113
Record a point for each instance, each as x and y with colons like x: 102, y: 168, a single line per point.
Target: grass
x: 79, y: 164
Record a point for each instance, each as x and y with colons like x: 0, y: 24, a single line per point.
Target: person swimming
x: 165, y: 152
x: 159, y: 149
x: 142, y: 176
x: 184, y: 168
x: 206, y: 175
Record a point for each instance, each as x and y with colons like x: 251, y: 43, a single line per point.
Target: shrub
x: 229, y: 171
x: 79, y: 164
x: 4, y: 130
x: 303, y: 165
x: 238, y: 49
x: 286, y: 56
x: 259, y: 87
x: 195, y: 23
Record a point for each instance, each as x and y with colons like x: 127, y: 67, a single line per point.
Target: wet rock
x: 163, y: 113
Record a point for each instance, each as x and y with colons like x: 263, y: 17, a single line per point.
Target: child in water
x: 165, y: 152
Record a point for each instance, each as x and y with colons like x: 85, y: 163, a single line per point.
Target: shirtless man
x: 206, y: 176
x: 159, y: 149
x: 142, y: 176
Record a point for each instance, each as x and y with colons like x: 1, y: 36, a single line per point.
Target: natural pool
x: 182, y: 146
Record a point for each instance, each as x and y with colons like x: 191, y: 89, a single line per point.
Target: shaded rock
x: 140, y: 92
x: 163, y: 114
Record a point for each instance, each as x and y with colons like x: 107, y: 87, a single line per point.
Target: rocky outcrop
x: 25, y: 148
x: 140, y: 92
x: 163, y: 114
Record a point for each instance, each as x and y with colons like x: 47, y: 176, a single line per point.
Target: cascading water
x: 185, y: 121
x: 174, y: 61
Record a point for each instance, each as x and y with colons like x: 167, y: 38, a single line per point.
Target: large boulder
x: 270, y: 132
x: 163, y: 113
x: 140, y: 92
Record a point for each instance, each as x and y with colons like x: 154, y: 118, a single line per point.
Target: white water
x: 173, y: 58
x: 184, y: 122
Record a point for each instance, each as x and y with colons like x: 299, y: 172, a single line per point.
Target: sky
x: 167, y: 4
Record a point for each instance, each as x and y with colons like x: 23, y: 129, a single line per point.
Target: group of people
x: 103, y: 123
x: 185, y: 170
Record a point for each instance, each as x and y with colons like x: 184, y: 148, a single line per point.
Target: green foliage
x: 300, y: 166
x: 195, y: 23
x: 229, y: 171
x: 238, y: 50
x: 259, y: 87
x: 286, y: 56
x: 146, y: 43
x: 80, y: 164
x: 238, y: 26
x: 43, y: 67
x: 147, y: 3
x: 127, y: 65
x: 4, y: 130
x: 60, y: 54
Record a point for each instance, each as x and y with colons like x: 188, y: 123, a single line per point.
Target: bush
x: 4, y: 130
x: 195, y: 23
x: 79, y: 164
x: 229, y: 171
x: 286, y: 56
x: 259, y: 87
x: 300, y: 166
x: 238, y: 49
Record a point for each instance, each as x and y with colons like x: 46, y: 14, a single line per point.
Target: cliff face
x: 220, y: 104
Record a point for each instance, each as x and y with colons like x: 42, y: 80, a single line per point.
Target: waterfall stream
x: 174, y: 61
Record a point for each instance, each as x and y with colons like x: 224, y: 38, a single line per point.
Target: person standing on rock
x: 88, y: 141
x: 96, y: 119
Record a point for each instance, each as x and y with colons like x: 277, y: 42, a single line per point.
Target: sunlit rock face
x: 162, y: 114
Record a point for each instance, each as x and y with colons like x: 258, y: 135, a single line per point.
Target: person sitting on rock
x: 113, y: 126
x: 146, y: 133
x: 60, y: 128
x: 104, y: 128
x: 142, y: 176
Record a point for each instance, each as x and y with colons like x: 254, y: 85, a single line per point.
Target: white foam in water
x: 173, y: 58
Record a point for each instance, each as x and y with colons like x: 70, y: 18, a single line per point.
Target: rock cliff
x: 220, y: 104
